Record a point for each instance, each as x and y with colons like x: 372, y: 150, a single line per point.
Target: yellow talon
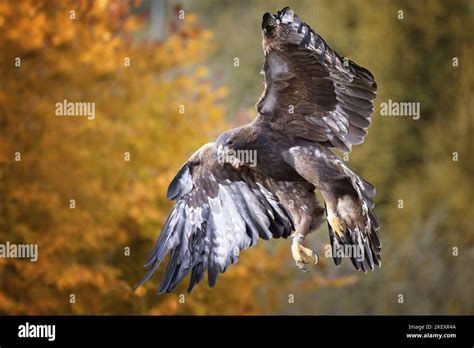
x: 337, y: 225
x: 303, y: 256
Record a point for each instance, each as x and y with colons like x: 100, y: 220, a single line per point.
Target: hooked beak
x: 222, y: 153
x: 227, y: 155
x: 269, y: 23
x: 220, y: 150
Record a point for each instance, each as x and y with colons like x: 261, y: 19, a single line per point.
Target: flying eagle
x: 313, y: 100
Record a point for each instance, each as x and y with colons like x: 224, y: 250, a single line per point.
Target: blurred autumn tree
x: 84, y: 51
x: 91, y: 193
x: 93, y: 51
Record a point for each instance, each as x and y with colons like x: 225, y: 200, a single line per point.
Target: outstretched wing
x: 310, y: 91
x: 219, y: 211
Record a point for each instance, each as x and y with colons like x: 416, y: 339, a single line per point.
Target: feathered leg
x: 300, y: 201
x: 353, y: 226
x: 303, y: 256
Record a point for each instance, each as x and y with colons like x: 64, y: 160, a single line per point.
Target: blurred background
x: 167, y: 76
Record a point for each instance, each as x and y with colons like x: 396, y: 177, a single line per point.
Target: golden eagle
x: 313, y: 100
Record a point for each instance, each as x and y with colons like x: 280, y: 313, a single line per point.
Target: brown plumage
x: 258, y: 180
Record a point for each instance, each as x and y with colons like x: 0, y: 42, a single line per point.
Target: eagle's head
x: 280, y: 28
x: 236, y: 146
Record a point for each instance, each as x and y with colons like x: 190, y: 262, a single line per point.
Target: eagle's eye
x: 230, y: 142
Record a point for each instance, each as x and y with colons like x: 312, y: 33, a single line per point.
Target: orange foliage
x: 47, y: 57
x: 79, y: 51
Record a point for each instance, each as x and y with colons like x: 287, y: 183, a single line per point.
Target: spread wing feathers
x: 219, y: 211
x: 311, y: 93
x: 349, y: 205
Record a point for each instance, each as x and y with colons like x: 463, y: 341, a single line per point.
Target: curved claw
x: 303, y: 256
x: 302, y: 266
x: 316, y: 258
